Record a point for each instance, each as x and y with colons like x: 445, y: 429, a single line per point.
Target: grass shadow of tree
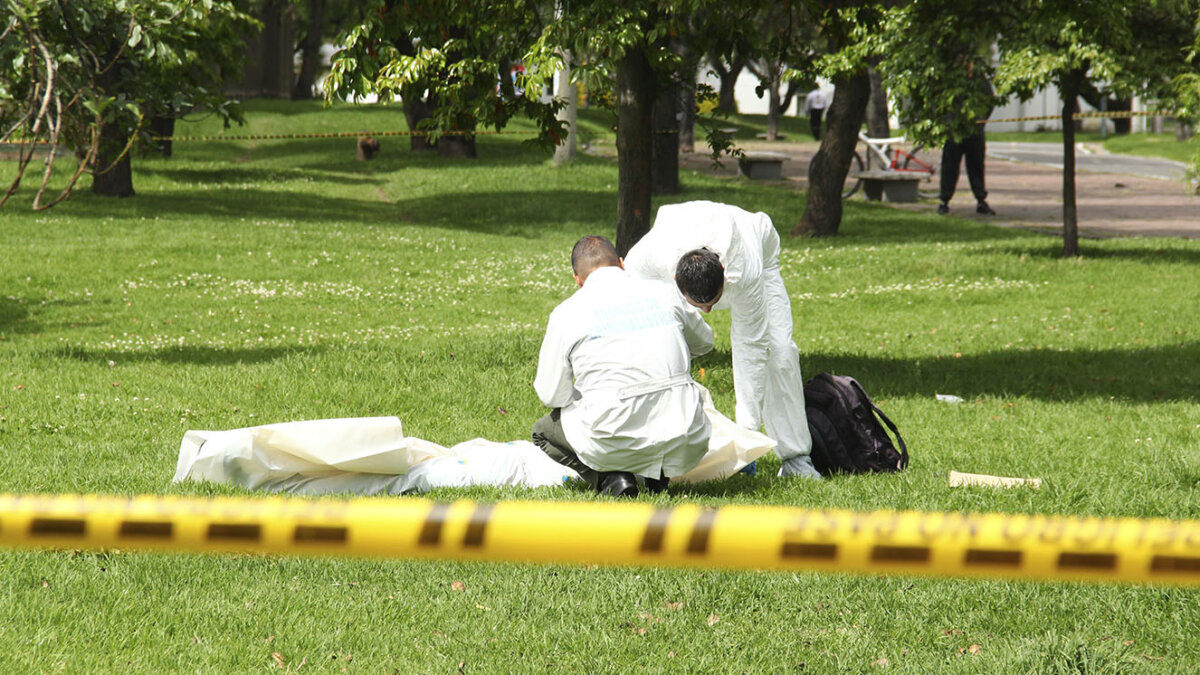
x: 1144, y: 375
x: 1144, y: 250
x: 186, y: 355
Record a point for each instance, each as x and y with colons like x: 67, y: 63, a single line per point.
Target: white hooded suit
x: 616, y: 359
x: 766, y: 363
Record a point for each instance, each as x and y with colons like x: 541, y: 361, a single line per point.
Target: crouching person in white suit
x: 615, y: 367
x: 723, y: 257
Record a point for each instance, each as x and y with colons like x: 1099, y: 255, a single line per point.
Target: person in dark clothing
x: 971, y: 148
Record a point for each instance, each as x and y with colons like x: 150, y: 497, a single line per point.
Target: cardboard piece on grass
x: 371, y: 455
x: 958, y: 479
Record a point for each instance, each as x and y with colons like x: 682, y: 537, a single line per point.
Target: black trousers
x: 814, y: 121
x: 972, y: 149
x: 548, y: 435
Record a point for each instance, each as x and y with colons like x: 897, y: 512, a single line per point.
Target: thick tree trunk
x: 274, y: 51
x: 877, y: 108
x: 310, y: 52
x: 417, y: 109
x: 635, y: 101
x: 665, y: 156
x: 458, y: 145
x: 1070, y: 90
x: 827, y: 171
x: 116, y: 179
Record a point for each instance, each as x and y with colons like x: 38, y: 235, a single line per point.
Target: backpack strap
x: 899, y: 438
x: 890, y: 425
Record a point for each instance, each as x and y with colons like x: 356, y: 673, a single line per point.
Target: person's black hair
x: 699, y: 275
x: 592, y: 251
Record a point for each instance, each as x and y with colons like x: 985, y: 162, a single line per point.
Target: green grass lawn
x: 256, y: 282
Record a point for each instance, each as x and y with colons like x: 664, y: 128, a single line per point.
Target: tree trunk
x: 877, y: 108
x: 687, y: 115
x: 116, y: 179
x: 727, y: 81
x: 827, y: 171
x: 687, y: 97
x: 1070, y: 90
x: 458, y: 145
x: 665, y: 155
x: 162, y: 127
x: 568, y: 114
x: 275, y: 55
x: 310, y: 52
x: 635, y: 101
x: 417, y: 109
x: 773, y: 105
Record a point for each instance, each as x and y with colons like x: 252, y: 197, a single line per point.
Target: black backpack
x: 846, y: 435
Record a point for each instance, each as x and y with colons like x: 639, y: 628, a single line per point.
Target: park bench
x: 761, y: 165
x: 896, y: 186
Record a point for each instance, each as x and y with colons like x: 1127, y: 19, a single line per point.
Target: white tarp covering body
x: 371, y: 455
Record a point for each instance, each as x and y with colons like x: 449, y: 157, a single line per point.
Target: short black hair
x: 592, y: 251
x: 700, y: 275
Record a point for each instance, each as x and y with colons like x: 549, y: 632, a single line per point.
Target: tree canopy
x: 88, y: 76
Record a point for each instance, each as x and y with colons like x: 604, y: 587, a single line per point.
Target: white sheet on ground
x: 371, y: 455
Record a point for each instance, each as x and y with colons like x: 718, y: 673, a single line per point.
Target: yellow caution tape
x: 334, y: 134
x: 754, y: 537
x: 1085, y: 115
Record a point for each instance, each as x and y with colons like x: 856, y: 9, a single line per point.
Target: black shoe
x: 657, y: 485
x: 984, y: 210
x: 943, y: 209
x: 617, y: 484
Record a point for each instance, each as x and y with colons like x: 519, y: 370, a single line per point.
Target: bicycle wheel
x: 928, y: 188
x: 853, y: 183
x: 911, y: 163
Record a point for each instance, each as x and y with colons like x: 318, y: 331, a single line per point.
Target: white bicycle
x: 883, y: 155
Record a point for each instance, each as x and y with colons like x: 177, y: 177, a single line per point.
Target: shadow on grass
x: 1145, y: 375
x: 24, y: 315
x: 1157, y: 251
x: 239, y: 175
x: 12, y: 314
x: 208, y: 356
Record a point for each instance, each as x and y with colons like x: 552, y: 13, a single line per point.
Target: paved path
x: 1115, y: 195
x: 1089, y: 157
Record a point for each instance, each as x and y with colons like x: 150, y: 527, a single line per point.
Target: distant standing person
x: 815, y: 104
x: 972, y: 148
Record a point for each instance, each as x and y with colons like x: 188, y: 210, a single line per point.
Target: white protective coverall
x: 766, y: 363
x: 616, y: 359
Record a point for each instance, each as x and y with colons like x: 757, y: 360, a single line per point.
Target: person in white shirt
x: 723, y: 257
x: 615, y: 367
x: 815, y: 104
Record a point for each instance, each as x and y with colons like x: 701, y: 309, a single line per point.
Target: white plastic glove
x: 800, y: 466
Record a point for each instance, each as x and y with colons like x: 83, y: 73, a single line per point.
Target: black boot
x: 617, y: 484
x: 657, y: 485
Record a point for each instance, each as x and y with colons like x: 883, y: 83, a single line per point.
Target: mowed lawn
x: 251, y: 282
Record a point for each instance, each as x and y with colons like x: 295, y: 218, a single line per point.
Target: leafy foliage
x: 461, y: 53
x: 76, y: 69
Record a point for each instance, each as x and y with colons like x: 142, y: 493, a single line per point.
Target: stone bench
x: 896, y: 186
x: 762, y: 165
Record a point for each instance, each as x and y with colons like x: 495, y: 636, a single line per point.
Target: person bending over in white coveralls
x: 723, y: 257
x: 615, y: 367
